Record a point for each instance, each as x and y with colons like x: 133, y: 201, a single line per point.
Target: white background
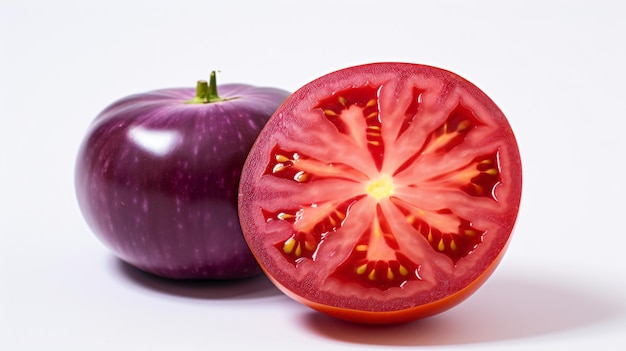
x: 556, y: 68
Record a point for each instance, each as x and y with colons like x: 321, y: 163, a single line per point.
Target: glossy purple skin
x: 156, y: 179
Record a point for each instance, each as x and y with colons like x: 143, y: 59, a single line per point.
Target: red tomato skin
x: 400, y: 316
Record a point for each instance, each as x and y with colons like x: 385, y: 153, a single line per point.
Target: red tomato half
x: 382, y: 193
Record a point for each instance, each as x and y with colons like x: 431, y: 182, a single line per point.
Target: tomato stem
x: 202, y: 88
x: 211, y: 95
x: 206, y: 92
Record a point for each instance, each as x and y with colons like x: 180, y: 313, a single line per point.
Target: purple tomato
x: 157, y: 177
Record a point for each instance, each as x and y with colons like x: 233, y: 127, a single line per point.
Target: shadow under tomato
x: 247, y: 288
x: 503, y: 309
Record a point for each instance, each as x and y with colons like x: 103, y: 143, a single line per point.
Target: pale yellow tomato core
x: 380, y: 188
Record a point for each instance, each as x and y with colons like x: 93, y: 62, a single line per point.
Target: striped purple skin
x: 156, y: 179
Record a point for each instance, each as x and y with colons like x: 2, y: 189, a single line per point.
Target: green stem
x: 207, y: 92
x: 202, y: 88
x: 211, y: 95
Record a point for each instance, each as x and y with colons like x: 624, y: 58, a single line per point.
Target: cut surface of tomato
x: 382, y: 193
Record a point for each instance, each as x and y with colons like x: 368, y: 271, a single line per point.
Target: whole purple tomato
x: 157, y: 177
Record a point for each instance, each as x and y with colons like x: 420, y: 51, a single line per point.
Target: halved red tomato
x: 382, y: 193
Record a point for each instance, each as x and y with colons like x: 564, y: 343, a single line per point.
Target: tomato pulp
x: 382, y: 193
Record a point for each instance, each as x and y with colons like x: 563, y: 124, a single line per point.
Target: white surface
x: 556, y: 68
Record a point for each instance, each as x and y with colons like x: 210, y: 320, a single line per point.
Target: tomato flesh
x: 384, y: 189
